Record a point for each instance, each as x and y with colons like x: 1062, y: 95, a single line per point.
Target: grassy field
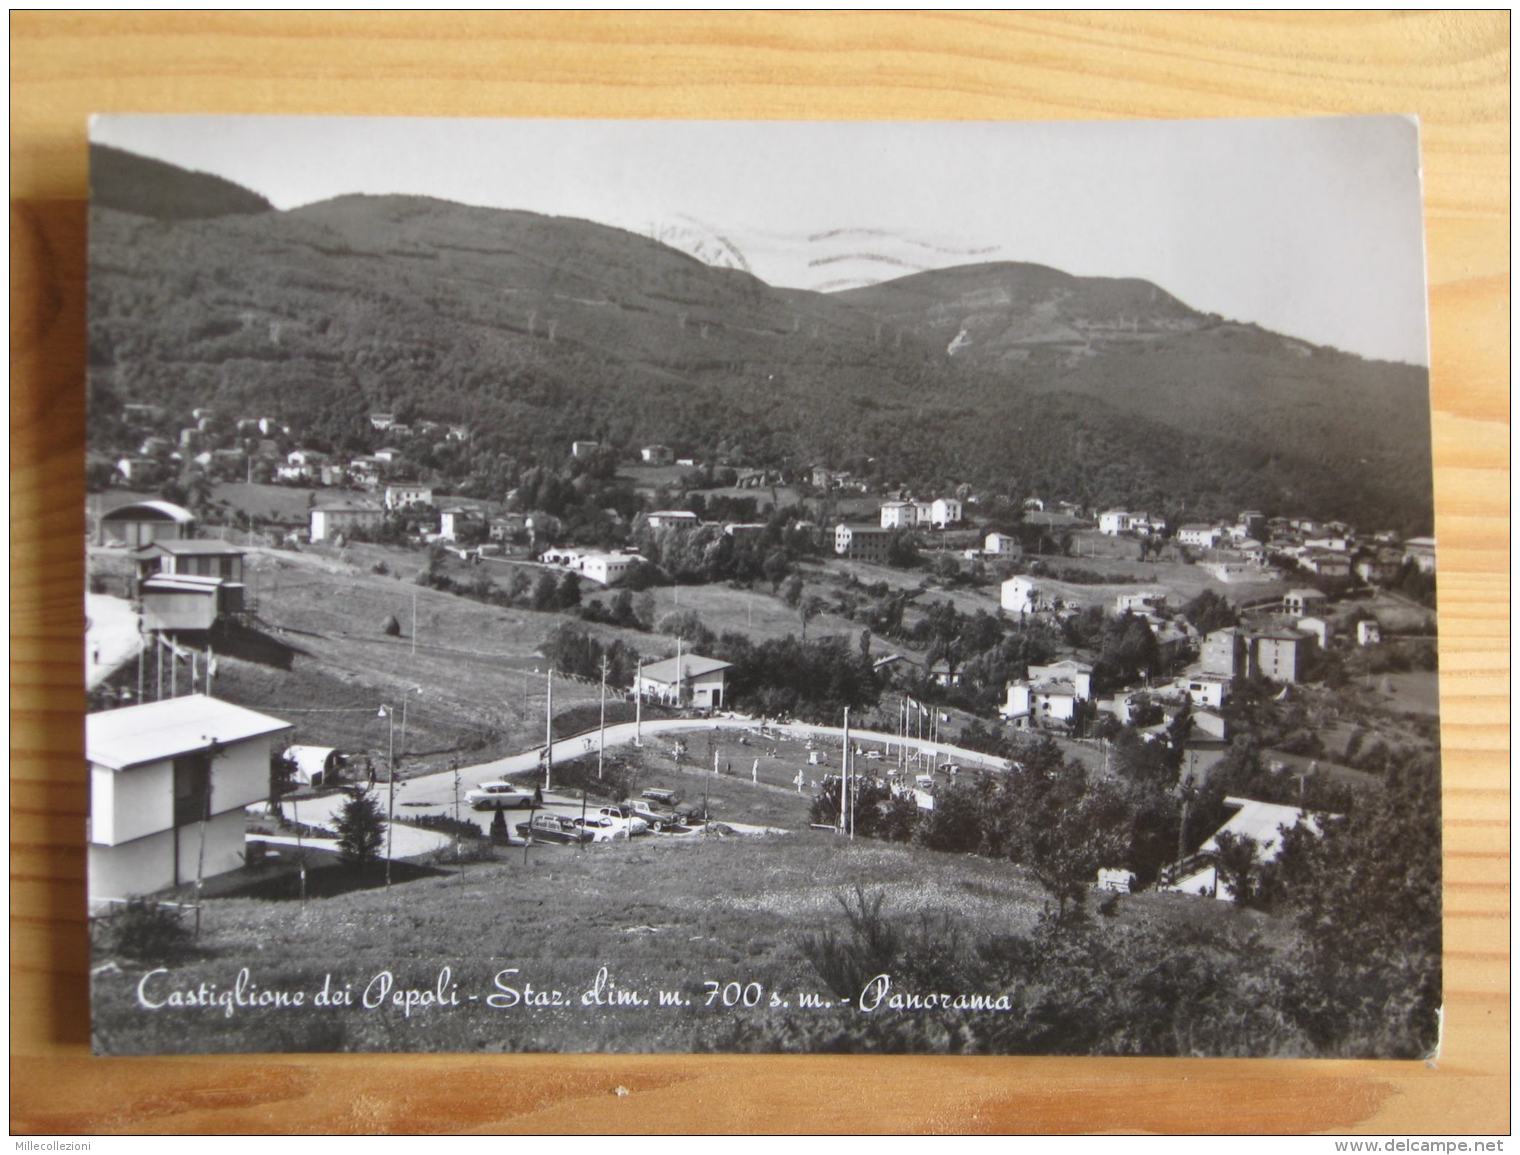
x: 659, y: 917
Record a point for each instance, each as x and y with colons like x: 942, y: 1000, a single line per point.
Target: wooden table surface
x: 1450, y: 69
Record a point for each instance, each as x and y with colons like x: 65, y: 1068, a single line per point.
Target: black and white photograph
x: 761, y: 587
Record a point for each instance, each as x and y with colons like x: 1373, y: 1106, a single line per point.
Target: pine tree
x: 361, y: 830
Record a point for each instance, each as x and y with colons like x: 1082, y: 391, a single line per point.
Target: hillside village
x: 1006, y: 623
x: 628, y: 643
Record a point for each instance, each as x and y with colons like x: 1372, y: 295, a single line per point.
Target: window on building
x: 192, y: 788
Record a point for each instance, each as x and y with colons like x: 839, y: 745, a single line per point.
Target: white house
x: 381, y: 420
x: 400, y: 495
x: 584, y: 448
x: 1368, y: 632
x: 1421, y: 551
x: 328, y: 521
x: 1318, y: 628
x: 1262, y: 822
x: 898, y: 515
x: 1205, y: 690
x: 661, y: 518
x: 168, y: 784
x: 1150, y: 602
x: 1198, y: 534
x: 685, y: 680
x: 608, y: 568
x: 944, y: 511
x: 454, y: 520
x: 1116, y: 521
x: 1050, y: 694
x: 1001, y: 543
x: 656, y: 455
x: 1022, y: 595
x: 1304, y: 602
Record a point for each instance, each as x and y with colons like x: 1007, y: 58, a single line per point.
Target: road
x: 110, y: 636
x: 434, y: 793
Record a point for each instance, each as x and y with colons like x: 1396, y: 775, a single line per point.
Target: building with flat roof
x: 168, y: 784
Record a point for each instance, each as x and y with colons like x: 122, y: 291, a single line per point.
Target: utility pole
x: 601, y: 740
x: 158, y: 653
x: 414, y: 623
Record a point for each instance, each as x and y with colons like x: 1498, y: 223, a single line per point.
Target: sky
x: 1309, y: 227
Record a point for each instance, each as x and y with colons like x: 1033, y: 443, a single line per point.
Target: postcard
x: 626, y: 586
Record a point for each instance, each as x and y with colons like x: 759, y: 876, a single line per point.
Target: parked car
x: 601, y: 828
x: 626, y: 816
x: 655, y: 817
x: 499, y: 796
x: 553, y: 828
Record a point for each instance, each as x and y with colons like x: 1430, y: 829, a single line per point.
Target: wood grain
x: 1450, y: 69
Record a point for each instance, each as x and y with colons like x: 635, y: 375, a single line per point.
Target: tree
x: 1235, y: 865
x: 569, y: 591
x: 791, y: 591
x: 361, y: 830
x: 545, y: 592
x: 808, y: 609
x: 1368, y: 903
x: 282, y: 779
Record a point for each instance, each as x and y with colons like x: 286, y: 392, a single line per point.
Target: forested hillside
x: 536, y: 330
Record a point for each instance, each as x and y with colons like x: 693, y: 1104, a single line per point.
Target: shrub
x: 146, y: 931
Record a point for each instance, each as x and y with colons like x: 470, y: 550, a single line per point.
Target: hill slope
x: 138, y: 184
x: 537, y: 330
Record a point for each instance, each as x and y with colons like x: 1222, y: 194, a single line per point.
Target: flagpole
x: 638, y: 705
x: 549, y: 730
x: 844, y: 775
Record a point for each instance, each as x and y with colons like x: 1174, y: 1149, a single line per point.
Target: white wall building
x: 398, y: 496
x: 1022, y: 595
x: 328, y: 521
x: 168, y: 784
x: 898, y: 515
x: 685, y: 680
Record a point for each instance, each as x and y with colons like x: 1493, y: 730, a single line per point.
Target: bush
x: 146, y: 931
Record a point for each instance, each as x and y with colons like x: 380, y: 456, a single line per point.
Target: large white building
x: 685, y: 680
x: 399, y: 496
x: 168, y: 784
x: 898, y: 515
x: 328, y: 521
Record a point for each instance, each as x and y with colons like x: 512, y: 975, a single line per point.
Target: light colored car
x: 626, y: 816
x: 499, y: 796
x: 602, y: 828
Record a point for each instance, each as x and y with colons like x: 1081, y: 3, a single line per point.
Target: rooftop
x: 193, y: 546
x: 155, y: 509
x: 691, y: 666
x: 134, y: 735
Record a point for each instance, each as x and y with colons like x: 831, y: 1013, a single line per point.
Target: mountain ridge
x: 542, y: 329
